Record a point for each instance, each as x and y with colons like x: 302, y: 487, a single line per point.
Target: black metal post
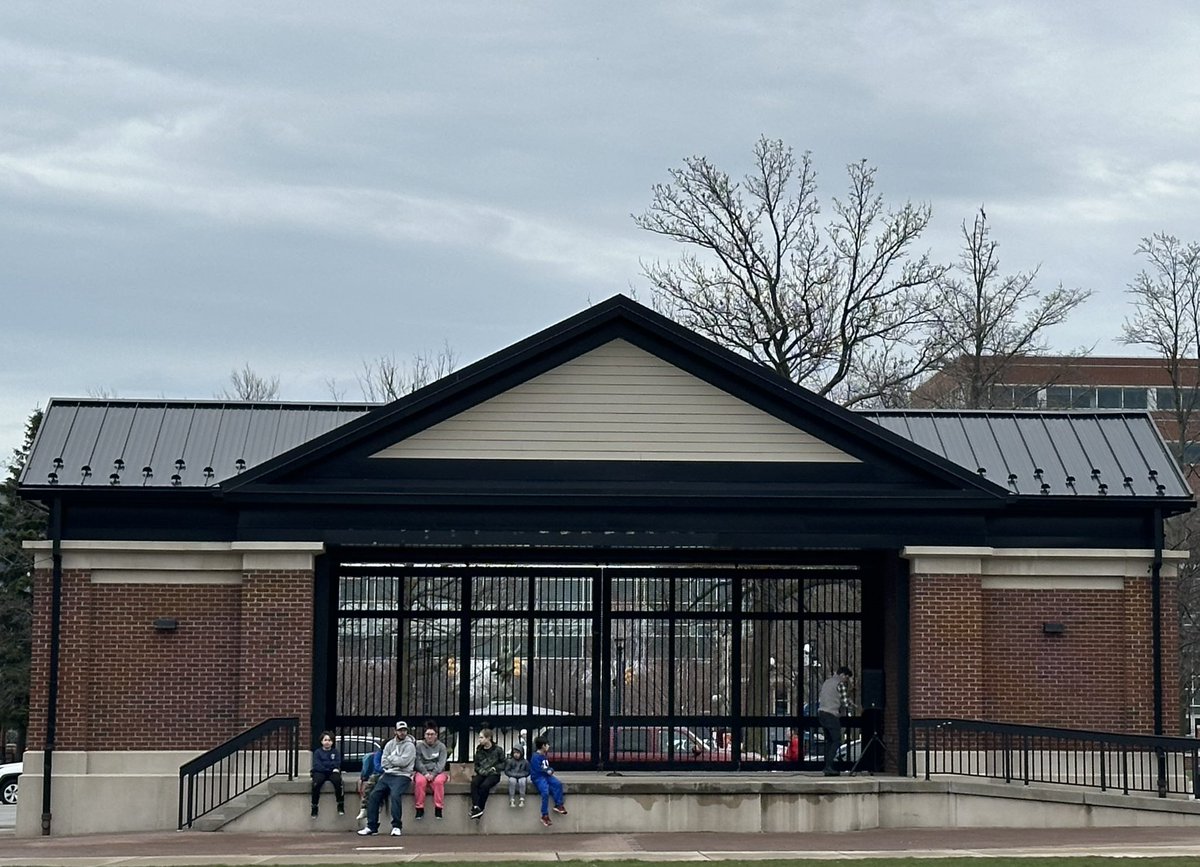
x: 56, y: 583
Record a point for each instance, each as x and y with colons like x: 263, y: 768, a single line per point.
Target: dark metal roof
x: 144, y: 443
x: 1069, y: 453
x: 98, y: 443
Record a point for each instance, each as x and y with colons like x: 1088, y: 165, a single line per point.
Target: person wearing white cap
x: 399, y: 755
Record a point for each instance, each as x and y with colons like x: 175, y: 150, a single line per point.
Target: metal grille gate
x: 676, y: 665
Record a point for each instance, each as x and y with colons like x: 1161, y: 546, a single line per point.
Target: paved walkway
x: 188, y: 848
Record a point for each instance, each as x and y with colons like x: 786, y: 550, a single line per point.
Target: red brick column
x: 276, y: 649
x: 946, y: 646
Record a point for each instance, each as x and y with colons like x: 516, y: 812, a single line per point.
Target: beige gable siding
x: 620, y: 403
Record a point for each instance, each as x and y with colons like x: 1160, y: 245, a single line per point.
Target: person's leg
x: 475, y: 781
x: 399, y: 785
x: 833, y: 739
x: 439, y: 789
x: 556, y: 792
x: 419, y: 791
x: 339, y: 793
x: 544, y: 788
x: 521, y: 791
x: 485, y: 788
x: 512, y: 791
x: 377, y: 795
x: 318, y: 780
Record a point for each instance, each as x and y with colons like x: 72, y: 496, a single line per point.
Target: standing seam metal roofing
x: 95, y: 443
x: 170, y: 443
x: 1067, y: 453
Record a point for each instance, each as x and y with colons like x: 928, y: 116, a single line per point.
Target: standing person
x: 430, y: 772
x: 793, y: 752
x: 543, y: 777
x: 517, y: 771
x: 489, y: 760
x: 371, y: 769
x: 399, y: 756
x: 327, y: 767
x: 834, y: 701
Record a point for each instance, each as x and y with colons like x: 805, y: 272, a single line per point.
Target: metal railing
x: 268, y: 750
x: 1036, y: 754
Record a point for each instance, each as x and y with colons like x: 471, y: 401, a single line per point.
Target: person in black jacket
x: 327, y: 766
x: 489, y: 761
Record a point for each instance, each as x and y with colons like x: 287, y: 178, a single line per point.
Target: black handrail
x: 256, y: 755
x: 1074, y: 757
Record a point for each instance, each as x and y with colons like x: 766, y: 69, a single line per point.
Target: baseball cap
x: 401, y: 724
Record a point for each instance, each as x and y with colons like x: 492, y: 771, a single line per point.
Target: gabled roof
x: 1063, y: 453
x: 616, y: 318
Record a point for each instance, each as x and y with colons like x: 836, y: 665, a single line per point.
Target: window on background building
x: 1108, y: 397
x: 1135, y: 398
x: 1191, y: 452
x: 1058, y: 397
x: 1070, y: 397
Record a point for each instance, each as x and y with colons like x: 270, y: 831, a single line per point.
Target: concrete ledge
x: 687, y: 802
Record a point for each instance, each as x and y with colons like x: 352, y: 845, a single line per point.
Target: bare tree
x: 1166, y: 318
x: 841, y: 310
x: 385, y: 379
x: 990, y: 321
x: 246, y: 384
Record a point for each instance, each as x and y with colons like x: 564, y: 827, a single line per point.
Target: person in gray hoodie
x: 430, y: 772
x: 516, y: 768
x: 399, y: 757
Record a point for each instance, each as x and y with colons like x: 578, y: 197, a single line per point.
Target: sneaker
x: 512, y: 802
x: 366, y: 832
x: 396, y: 832
x: 476, y: 812
x: 546, y: 821
x: 521, y: 802
x: 313, y: 814
x: 420, y: 813
x: 560, y: 809
x: 362, y: 814
x: 437, y: 812
x: 341, y: 810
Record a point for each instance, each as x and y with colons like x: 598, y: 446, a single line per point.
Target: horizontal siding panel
x: 617, y: 402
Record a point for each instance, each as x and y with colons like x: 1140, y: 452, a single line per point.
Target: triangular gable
x: 807, y: 421
x: 617, y: 402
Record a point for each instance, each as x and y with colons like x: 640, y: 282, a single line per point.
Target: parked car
x: 8, y: 781
x: 354, y: 747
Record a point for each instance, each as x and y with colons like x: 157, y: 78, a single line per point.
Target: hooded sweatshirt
x: 399, y: 757
x: 431, y: 758
x: 516, y: 765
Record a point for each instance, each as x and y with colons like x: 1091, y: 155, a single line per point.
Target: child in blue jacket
x: 372, y: 767
x: 542, y: 776
x: 327, y: 767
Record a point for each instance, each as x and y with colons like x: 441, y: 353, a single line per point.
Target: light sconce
x: 166, y: 624
x: 1053, y: 628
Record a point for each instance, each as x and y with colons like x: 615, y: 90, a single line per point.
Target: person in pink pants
x: 430, y: 772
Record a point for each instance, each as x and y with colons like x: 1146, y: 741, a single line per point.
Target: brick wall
x: 946, y: 659
x: 982, y: 654
x: 241, y: 653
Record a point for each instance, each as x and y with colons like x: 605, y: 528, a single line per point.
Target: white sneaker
x: 521, y: 803
x: 366, y: 832
x: 512, y: 802
x: 395, y: 832
x: 362, y: 814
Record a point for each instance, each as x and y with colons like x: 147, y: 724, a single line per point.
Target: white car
x: 8, y: 782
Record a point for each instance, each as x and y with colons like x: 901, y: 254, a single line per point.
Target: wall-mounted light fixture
x: 166, y: 624
x: 1053, y: 628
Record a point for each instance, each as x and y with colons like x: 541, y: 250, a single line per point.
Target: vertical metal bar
x: 1103, y: 767
x: 464, y: 663
x: 601, y: 636
x: 56, y: 591
x: 735, y: 675
x: 1026, y: 745
x: 1125, y: 770
x: 926, y: 732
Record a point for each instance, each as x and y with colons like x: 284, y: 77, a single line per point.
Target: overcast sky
x: 185, y: 188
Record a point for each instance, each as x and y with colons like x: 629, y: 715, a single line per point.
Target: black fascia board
x: 616, y: 317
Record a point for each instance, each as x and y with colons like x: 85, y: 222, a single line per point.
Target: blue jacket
x: 539, y: 767
x: 371, y: 764
x: 326, y: 761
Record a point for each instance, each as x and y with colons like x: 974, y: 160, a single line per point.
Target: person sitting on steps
x: 543, y: 778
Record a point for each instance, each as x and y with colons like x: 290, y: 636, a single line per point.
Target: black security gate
x: 647, y: 666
